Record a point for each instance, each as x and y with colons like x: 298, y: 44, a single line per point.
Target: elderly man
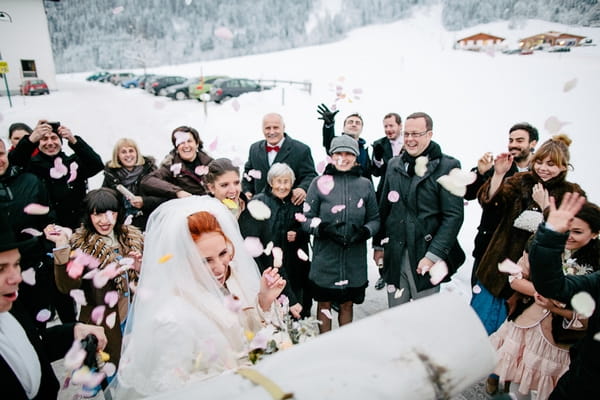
x: 26, y: 352
x: 279, y: 147
x: 65, y: 176
x: 420, y: 219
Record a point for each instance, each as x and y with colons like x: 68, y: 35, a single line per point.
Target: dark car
x: 182, y: 91
x: 29, y: 87
x: 224, y: 89
x: 97, y: 75
x: 144, y: 79
x: 159, y: 86
x: 559, y: 49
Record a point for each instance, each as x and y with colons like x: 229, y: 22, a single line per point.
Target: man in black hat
x: 26, y: 352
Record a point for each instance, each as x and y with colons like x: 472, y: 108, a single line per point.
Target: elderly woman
x: 285, y: 232
x: 181, y: 173
x: 126, y: 170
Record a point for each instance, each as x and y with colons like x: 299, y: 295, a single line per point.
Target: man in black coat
x: 65, y: 176
x: 278, y: 146
x: 26, y: 352
x: 522, y: 139
x: 353, y: 126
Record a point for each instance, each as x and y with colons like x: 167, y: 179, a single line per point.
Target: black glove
x: 378, y: 152
x: 360, y: 234
x: 327, y: 230
x: 327, y: 116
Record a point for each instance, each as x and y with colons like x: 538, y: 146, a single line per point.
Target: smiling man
x: 420, y: 219
x: 65, y: 177
x: 278, y: 147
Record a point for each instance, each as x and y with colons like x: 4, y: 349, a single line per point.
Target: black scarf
x: 432, y: 151
x: 128, y: 178
x: 330, y: 169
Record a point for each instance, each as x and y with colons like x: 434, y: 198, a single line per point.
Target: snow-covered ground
x: 405, y: 66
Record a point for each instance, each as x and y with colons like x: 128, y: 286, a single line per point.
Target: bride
x: 199, y: 300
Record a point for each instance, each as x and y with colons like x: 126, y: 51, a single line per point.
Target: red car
x: 29, y: 87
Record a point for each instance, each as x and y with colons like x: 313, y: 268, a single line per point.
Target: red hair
x: 204, y: 222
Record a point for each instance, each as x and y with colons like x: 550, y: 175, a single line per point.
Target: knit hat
x: 344, y: 143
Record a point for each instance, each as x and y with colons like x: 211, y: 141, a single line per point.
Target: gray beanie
x: 344, y: 143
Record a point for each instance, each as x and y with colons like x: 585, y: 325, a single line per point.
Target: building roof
x: 481, y: 36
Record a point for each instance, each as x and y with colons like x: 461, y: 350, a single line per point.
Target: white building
x: 25, y: 44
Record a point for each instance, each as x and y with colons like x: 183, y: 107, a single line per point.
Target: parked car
x: 559, y: 49
x: 526, y: 52
x: 144, y: 79
x: 118, y: 77
x: 29, y: 87
x: 181, y: 90
x: 224, y: 89
x: 511, y: 51
x: 197, y: 90
x: 131, y: 83
x: 159, y: 86
x: 97, y: 75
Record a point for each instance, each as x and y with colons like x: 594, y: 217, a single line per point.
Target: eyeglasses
x: 415, y: 135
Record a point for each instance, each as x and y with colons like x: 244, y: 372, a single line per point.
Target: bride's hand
x: 271, y: 286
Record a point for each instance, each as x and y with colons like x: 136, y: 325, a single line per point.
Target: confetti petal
x: 233, y: 303
x: 341, y: 283
x: 73, y: 172
x: 384, y: 241
x: 509, y: 267
x: 43, y: 315
x: 337, y: 208
x: 259, y: 210
x: 109, y: 369
x: 302, y: 255
x: 165, y: 258
x: 181, y: 137
x: 597, y: 336
x: 111, y: 319
x: 325, y: 184
x: 438, y: 272
x: 584, y: 304
x: 128, y: 220
x: 391, y: 288
x: 569, y: 85
x: 277, y: 257
x: 255, y: 173
x: 98, y: 314
x: 476, y: 289
x: 268, y: 248
x: 398, y: 293
x: 100, y: 279
x: 327, y: 313
x: 360, y: 203
x: 32, y: 231
x: 118, y: 10
x: 235, y: 104
x: 300, y: 217
x: 213, y: 145
x: 421, y: 165
x: 74, y: 357
x: 74, y: 269
x: 315, y: 222
x: 305, y: 207
x: 553, y: 125
x: 393, y: 196
x: 322, y: 164
x: 223, y: 32
x: 79, y: 296
x: 456, y: 181
x: 59, y: 170
x: 176, y: 169
x: 253, y: 245
x: 28, y: 276
x: 111, y: 298
x: 36, y: 209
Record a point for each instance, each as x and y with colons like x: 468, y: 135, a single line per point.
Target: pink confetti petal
x: 43, y: 315
x: 509, y: 267
x: 73, y: 172
x: 337, y: 208
x: 128, y: 220
x: 270, y: 279
x: 325, y: 184
x: 74, y: 357
x: 110, y: 216
x: 357, y: 91
x: 176, y: 169
x: 233, y: 303
x: 277, y: 257
x: 255, y: 173
x: 327, y: 313
x: 59, y: 170
x: 201, y: 170
x: 341, y: 283
x: 109, y: 369
x: 79, y: 296
x: 90, y: 274
x: 100, y: 279
x: 223, y: 32
x: 111, y: 298
x: 111, y: 319
x: 360, y: 203
x: 32, y: 231
x: 302, y: 255
x: 391, y: 288
x: 315, y: 222
x: 28, y: 276
x: 283, y: 300
x: 118, y: 10
x: 235, y: 104
x: 74, y: 269
x: 300, y: 217
x: 393, y: 196
x: 253, y: 245
x: 261, y: 338
x: 321, y: 166
x: 98, y: 314
x: 476, y: 289
x: 213, y: 145
x: 438, y: 272
x: 36, y: 209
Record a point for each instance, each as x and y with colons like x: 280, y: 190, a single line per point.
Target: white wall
x: 27, y: 38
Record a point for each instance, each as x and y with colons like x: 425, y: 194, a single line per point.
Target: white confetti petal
x: 569, y: 85
x: 36, y: 209
x: 456, y: 181
x: 597, y: 336
x: 28, y: 276
x: 553, y: 125
x: 277, y: 257
x: 421, y: 165
x: 253, y: 245
x: 315, y: 222
x: 111, y: 319
x: 302, y: 255
x: 32, y: 231
x: 341, y: 283
x: 509, y: 267
x: 79, y: 296
x: 74, y: 357
x: 438, y: 272
x: 584, y: 304
x: 476, y: 289
x: 109, y: 369
x: 398, y: 293
x: 268, y: 248
x: 259, y: 210
x: 384, y: 241
x: 327, y: 313
x: 255, y: 173
x: 360, y: 203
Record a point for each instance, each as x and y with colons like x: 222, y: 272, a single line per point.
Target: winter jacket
x: 67, y: 192
x: 581, y: 380
x: 166, y: 181
x: 140, y: 216
x: 130, y: 239
x: 388, y: 154
x: 363, y: 158
x: 512, y: 198
x: 350, y: 203
x: 295, y: 154
x: 425, y: 220
x: 275, y: 230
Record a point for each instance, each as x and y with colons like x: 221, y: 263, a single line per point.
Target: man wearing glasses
x: 420, y: 219
x: 353, y: 126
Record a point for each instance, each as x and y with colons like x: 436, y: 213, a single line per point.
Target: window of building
x: 29, y: 69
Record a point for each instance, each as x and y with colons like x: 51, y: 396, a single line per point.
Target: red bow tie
x: 273, y: 148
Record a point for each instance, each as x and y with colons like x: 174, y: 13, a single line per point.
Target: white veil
x: 179, y: 316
